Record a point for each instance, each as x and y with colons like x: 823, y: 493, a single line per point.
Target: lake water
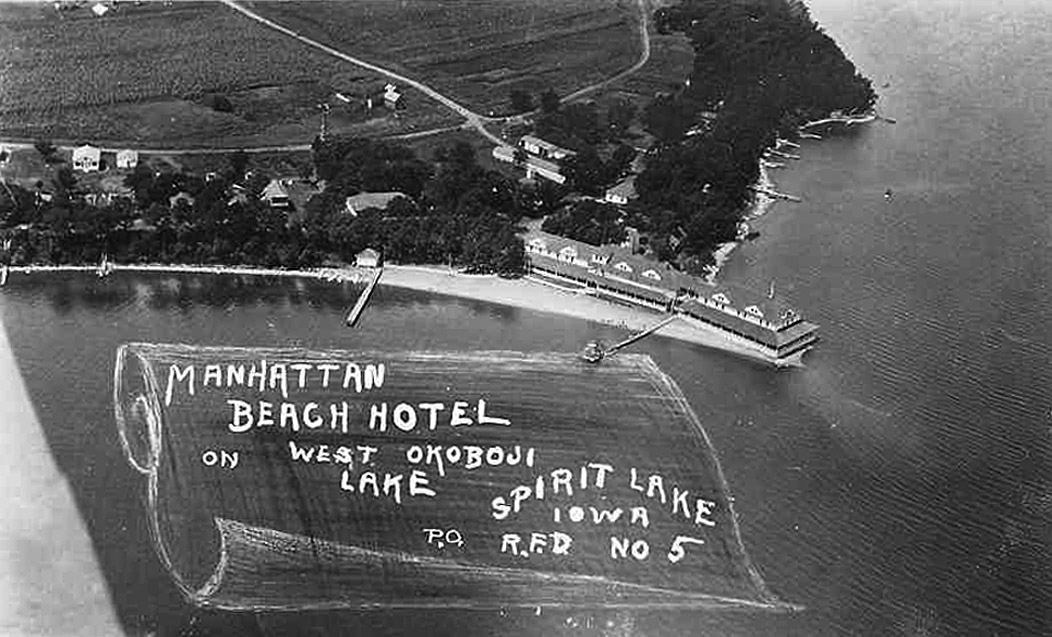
x: 900, y: 484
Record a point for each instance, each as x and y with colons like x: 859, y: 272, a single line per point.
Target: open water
x: 900, y: 484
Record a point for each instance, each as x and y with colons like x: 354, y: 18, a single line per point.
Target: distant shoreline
x: 524, y: 293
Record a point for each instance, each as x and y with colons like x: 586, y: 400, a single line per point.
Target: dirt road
x: 473, y: 121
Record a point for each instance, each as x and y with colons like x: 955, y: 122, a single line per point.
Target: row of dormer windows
x: 570, y: 254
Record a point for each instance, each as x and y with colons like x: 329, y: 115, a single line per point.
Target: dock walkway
x: 647, y: 332
x: 359, y: 305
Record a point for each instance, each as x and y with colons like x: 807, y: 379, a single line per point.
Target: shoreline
x: 765, y: 193
x: 760, y: 205
x: 524, y: 293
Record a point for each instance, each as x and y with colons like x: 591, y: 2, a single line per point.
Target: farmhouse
x: 86, y: 158
x: 276, y: 194
x: 365, y: 200
x: 535, y: 167
x: 544, y: 150
x: 392, y: 98
x: 622, y: 192
x: 127, y: 158
x: 368, y: 258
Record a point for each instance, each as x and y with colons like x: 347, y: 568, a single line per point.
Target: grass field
x: 140, y: 72
x: 476, y: 51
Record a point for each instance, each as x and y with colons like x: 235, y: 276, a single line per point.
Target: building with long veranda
x: 614, y: 272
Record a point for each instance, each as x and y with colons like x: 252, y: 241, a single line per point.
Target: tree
x: 589, y: 221
x: 237, y: 164
x: 619, y: 116
x: 588, y: 173
x: 46, y: 149
x: 65, y: 182
x: 549, y: 101
x: 521, y: 101
x: 140, y: 181
x: 623, y: 157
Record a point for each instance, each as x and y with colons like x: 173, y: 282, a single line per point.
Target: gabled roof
x: 548, y: 146
x: 274, y: 189
x: 620, y: 263
x: 87, y: 150
x: 626, y: 189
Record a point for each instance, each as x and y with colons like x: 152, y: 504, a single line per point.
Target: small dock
x: 359, y: 305
x: 778, y: 153
x: 647, y: 332
x: 774, y: 194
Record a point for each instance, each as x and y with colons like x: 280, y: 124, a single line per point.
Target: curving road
x: 473, y: 120
x: 644, y: 57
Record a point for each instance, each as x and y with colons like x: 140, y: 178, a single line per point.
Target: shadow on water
x: 417, y: 300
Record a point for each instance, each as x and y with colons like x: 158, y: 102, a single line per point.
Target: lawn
x: 476, y: 50
x: 142, y: 73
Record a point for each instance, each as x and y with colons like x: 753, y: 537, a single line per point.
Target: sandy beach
x: 526, y: 292
x: 759, y: 206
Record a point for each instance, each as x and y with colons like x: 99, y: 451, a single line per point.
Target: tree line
x: 454, y: 212
x: 761, y: 68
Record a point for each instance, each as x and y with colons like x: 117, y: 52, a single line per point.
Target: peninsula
x: 661, y: 184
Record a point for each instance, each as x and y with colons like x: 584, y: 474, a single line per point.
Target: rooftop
x: 548, y: 146
x: 616, y: 262
x: 625, y: 188
x: 275, y: 189
x: 366, y: 200
x: 507, y: 153
x: 87, y: 149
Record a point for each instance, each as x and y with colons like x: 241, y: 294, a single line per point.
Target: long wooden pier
x: 359, y: 305
x: 647, y: 332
